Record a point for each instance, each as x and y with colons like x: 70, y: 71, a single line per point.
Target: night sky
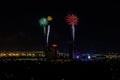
x: 98, y: 26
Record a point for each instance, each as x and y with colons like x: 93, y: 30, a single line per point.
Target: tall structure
x: 51, y: 52
x: 54, y: 46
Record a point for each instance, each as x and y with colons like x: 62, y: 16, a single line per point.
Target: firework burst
x: 71, y: 19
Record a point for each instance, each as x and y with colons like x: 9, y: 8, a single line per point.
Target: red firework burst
x: 71, y: 19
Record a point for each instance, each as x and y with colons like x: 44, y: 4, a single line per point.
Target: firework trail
x: 44, y: 29
x: 72, y: 20
x: 48, y: 32
x: 43, y: 23
x: 73, y: 31
x: 49, y: 18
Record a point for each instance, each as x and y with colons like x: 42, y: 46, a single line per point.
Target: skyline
x: 98, y: 25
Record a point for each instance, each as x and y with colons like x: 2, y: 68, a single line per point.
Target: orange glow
x: 49, y: 18
x: 54, y: 45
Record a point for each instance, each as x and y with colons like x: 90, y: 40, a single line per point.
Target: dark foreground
x: 75, y: 70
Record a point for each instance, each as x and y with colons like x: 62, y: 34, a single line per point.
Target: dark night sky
x: 98, y: 27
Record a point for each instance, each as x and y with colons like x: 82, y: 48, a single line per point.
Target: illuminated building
x: 22, y: 55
